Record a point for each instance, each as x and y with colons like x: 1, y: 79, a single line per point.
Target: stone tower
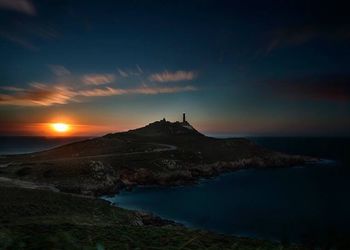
x: 184, y: 117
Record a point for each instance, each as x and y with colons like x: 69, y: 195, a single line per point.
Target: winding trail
x: 167, y: 148
x: 10, y: 182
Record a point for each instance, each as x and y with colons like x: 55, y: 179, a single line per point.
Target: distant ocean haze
x: 30, y: 144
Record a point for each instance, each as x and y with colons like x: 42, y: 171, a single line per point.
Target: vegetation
x: 37, y: 219
x: 161, y: 153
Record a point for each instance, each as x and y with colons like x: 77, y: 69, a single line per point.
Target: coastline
x: 195, y: 173
x: 103, y: 179
x: 74, y: 220
x: 154, y: 198
x: 215, y: 170
x: 89, y: 177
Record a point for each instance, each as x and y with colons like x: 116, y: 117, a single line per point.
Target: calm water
x: 28, y: 144
x: 297, y: 204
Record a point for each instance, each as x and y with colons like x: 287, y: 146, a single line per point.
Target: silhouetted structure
x: 184, y: 117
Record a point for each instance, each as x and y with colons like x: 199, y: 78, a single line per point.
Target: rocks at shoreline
x: 194, y: 172
x: 148, y: 219
x: 104, y: 180
x: 99, y: 177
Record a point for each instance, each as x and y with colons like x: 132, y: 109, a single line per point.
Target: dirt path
x: 168, y: 148
x: 8, y: 182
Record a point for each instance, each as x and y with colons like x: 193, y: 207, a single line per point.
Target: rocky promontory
x: 161, y: 153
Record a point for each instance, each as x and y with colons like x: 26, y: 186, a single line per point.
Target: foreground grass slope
x: 38, y: 219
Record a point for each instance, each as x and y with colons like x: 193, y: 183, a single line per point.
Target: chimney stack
x: 184, y: 117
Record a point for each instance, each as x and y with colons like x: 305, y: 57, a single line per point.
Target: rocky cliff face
x: 186, y: 174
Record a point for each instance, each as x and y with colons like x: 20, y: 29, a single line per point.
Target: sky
x: 240, y: 68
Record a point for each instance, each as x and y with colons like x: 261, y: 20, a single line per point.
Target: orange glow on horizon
x: 75, y: 128
x: 60, y: 127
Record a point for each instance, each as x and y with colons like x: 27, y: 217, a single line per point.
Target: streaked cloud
x: 324, y: 88
x: 162, y: 90
x: 23, y: 6
x: 176, y: 76
x: 122, y: 73
x: 145, y: 90
x: 28, y: 34
x: 38, y: 94
x: 59, y: 70
x: 294, y: 36
x: 107, y: 91
x: 12, y: 88
x: 18, y: 39
x: 69, y: 88
x: 98, y: 79
x: 138, y: 71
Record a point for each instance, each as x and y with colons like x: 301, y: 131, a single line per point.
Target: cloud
x: 329, y: 88
x: 107, y: 91
x: 38, y: 94
x: 12, y: 88
x: 139, y: 69
x: 145, y: 90
x: 307, y: 22
x: 162, y: 90
x: 19, y: 40
x: 26, y: 34
x: 131, y: 72
x: 98, y: 79
x: 23, y: 6
x: 123, y: 73
x: 176, y: 76
x: 69, y: 88
x: 59, y: 70
x: 294, y: 36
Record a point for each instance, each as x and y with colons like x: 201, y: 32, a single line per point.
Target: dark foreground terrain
x: 41, y: 194
x: 39, y: 219
x: 162, y: 153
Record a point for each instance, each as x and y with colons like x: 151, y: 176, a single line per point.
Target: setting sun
x: 60, y: 127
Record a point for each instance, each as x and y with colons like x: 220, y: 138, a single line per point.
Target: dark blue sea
x: 303, y: 204
x: 300, y: 204
x: 30, y: 144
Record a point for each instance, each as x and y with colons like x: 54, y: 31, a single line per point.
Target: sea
x: 29, y: 144
x: 307, y: 204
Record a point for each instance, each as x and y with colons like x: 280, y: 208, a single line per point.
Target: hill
x: 161, y: 153
x: 47, y: 201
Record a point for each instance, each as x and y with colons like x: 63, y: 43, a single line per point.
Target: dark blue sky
x: 239, y: 68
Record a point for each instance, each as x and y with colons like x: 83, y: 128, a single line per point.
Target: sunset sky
x: 242, y: 68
